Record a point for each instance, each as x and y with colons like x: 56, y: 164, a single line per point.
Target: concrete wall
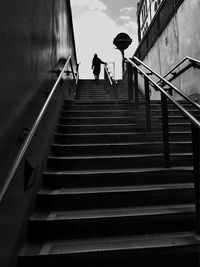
x: 34, y: 35
x: 180, y: 38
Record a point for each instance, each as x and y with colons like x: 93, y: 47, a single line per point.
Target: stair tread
x: 119, y: 144
x: 118, y: 156
x: 110, y: 189
x: 120, y: 133
x: 82, y: 246
x: 124, y: 110
x: 135, y: 170
x: 101, y: 124
x: 117, y: 117
x: 113, y: 212
x: 120, y: 124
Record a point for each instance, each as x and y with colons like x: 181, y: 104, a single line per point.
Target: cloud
x: 127, y: 9
x: 130, y: 12
x: 125, y: 18
x: 127, y: 22
x: 81, y: 6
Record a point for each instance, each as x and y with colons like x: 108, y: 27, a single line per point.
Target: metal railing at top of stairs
x: 192, y: 63
x: 134, y: 69
x: 77, y: 74
x: 16, y: 163
x: 107, y: 73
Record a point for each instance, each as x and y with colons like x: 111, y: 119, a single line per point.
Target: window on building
x: 155, y: 6
x: 145, y: 7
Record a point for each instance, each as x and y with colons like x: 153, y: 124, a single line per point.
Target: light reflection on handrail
x: 29, y: 137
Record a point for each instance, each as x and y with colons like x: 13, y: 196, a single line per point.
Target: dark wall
x: 34, y: 34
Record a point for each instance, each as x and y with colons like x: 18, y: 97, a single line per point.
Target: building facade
x: 146, y: 12
x: 172, y: 35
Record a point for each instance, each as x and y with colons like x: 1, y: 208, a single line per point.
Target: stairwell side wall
x: 179, y: 39
x: 34, y: 35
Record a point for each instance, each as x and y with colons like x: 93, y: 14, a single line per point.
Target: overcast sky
x: 96, y: 23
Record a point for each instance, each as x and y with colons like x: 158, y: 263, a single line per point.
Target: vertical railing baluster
x: 148, y: 106
x: 136, y: 86
x: 196, y: 164
x: 165, y: 127
x: 130, y: 81
x: 72, y: 69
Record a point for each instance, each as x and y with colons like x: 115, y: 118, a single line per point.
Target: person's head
x: 95, y: 55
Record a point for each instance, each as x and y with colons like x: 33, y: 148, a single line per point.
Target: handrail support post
x: 71, y: 65
x: 165, y: 126
x: 148, y: 104
x: 130, y: 81
x: 196, y: 164
x: 136, y: 86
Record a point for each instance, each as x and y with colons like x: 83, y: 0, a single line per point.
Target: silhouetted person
x: 96, y: 66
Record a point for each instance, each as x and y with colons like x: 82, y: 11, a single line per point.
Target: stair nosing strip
x: 115, y: 213
x: 105, y: 171
x: 116, y: 189
x: 114, y: 156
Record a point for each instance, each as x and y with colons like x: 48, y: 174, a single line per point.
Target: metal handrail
x: 108, y: 74
x: 167, y: 83
x: 184, y: 111
x: 195, y: 126
x: 29, y: 137
x: 192, y: 60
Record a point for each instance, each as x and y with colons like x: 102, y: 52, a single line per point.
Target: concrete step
x: 118, y: 148
x: 117, y: 127
x: 117, y: 177
x: 110, y: 197
x: 99, y: 138
x: 171, y: 250
x: 125, y: 112
x: 97, y: 162
x: 118, y: 119
x: 105, y: 222
x: 114, y: 105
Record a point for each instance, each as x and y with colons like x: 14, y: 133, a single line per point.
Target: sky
x: 96, y: 24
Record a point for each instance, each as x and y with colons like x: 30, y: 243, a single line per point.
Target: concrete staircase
x: 91, y: 90
x: 106, y: 198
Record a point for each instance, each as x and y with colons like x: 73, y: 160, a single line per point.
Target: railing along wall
x: 163, y: 16
x: 176, y: 72
x: 18, y: 159
x: 165, y: 99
